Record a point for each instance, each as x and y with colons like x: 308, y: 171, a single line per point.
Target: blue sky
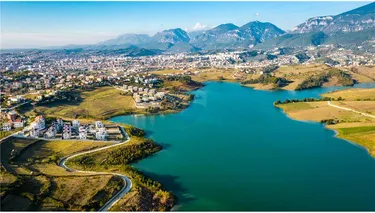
x: 40, y: 24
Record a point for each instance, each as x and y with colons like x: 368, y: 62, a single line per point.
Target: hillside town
x: 40, y: 74
x: 60, y: 61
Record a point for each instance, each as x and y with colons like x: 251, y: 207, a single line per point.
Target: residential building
x: 101, y: 134
x: 39, y: 123
x: 34, y: 132
x: 99, y: 125
x: 7, y: 126
x: 67, y: 131
x: 18, y: 123
x: 82, y: 133
x: 75, y: 124
x: 51, y: 132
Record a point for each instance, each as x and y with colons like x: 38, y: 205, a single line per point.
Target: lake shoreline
x: 336, y: 135
x: 196, y: 115
x: 167, y: 112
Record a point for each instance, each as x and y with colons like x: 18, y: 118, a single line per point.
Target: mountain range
x: 352, y: 28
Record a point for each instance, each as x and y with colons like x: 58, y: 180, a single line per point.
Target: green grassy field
x: 352, y: 130
x: 362, y: 135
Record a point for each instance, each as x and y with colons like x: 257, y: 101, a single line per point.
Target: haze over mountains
x: 224, y: 36
x: 350, y: 29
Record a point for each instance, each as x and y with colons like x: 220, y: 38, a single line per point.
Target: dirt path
x: 352, y: 110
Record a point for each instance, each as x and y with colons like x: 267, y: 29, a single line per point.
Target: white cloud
x: 199, y: 26
x: 257, y: 14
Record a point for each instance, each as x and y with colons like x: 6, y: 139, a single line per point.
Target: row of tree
x: 287, y: 101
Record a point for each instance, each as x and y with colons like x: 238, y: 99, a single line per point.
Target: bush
x: 268, y: 79
x: 134, y: 131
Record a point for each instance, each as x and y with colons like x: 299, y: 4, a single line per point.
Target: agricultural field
x: 351, y: 126
x: 93, y: 104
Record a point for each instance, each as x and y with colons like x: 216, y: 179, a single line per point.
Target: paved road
x: 11, y: 135
x: 13, y: 107
x: 127, y: 181
x: 352, y: 110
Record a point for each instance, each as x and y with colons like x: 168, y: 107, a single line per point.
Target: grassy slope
x: 214, y: 75
x: 33, y: 181
x: 352, y: 126
x: 353, y: 94
x: 101, y: 103
x: 53, y: 188
x: 298, y: 73
x: 3, y: 134
x: 368, y: 71
x: 146, y: 194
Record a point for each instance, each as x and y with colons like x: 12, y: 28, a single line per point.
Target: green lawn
x: 352, y: 130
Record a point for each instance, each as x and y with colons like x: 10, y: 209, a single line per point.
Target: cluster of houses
x: 12, y: 120
x: 145, y: 80
x: 144, y: 97
x: 15, y: 99
x: 60, y: 129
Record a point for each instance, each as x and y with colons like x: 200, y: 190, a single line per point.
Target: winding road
x: 352, y: 110
x: 127, y: 181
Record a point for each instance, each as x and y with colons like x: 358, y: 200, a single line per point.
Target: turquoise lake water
x: 233, y: 150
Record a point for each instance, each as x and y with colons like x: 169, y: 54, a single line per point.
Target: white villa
x: 39, y: 123
x: 99, y: 125
x: 75, y: 124
x: 67, y: 131
x: 51, y: 132
x: 7, y: 126
x: 34, y: 133
x: 82, y: 133
x: 101, y: 134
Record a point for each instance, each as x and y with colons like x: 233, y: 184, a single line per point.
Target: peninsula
x: 350, y: 112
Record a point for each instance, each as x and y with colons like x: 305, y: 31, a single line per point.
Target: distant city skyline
x: 45, y: 24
